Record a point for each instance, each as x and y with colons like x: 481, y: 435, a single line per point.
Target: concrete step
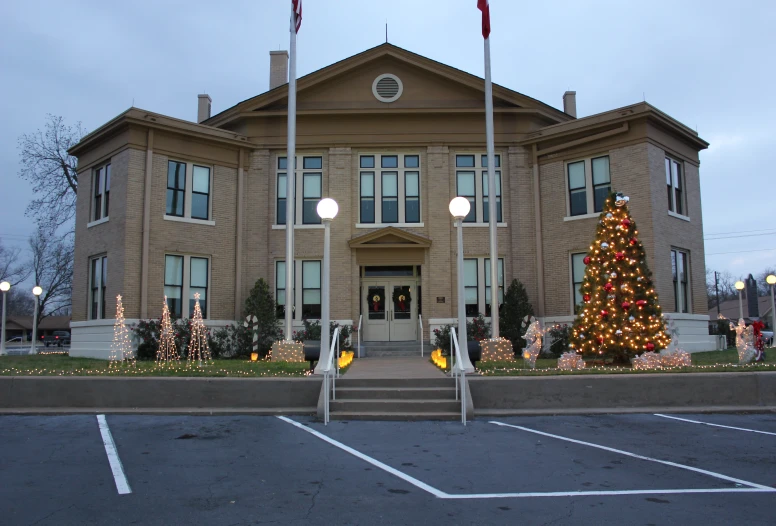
x: 394, y: 406
x: 345, y: 382
x: 350, y: 415
x: 396, y: 393
x: 382, y: 349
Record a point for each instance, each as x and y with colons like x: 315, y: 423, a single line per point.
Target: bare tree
x: 763, y: 289
x: 20, y: 302
x: 52, y: 268
x: 725, y: 283
x: 51, y: 171
x: 11, y: 268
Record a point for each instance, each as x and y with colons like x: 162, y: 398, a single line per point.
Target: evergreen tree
x: 261, y: 304
x: 511, y: 314
x: 619, y: 315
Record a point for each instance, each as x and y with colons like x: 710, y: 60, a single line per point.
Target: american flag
x: 482, y: 5
x: 298, y: 14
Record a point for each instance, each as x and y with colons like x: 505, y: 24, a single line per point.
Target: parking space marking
x: 604, y: 493
x: 716, y: 425
x: 407, y: 478
x: 122, y: 485
x: 641, y: 457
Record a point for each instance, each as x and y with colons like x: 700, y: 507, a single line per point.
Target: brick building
x: 176, y: 207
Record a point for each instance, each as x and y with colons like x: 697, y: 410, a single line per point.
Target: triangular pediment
x: 347, y: 86
x: 390, y: 237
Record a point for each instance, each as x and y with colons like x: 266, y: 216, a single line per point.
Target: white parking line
x: 715, y: 425
x: 755, y: 488
x: 641, y: 457
x: 113, y: 457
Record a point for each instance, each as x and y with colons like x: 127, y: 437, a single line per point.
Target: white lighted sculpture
x: 533, y: 337
x: 744, y: 341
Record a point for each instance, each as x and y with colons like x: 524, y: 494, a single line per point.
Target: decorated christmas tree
x: 199, y: 350
x: 121, y: 346
x: 166, y: 354
x: 619, y: 316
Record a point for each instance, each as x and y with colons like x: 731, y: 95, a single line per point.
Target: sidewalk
x: 393, y: 367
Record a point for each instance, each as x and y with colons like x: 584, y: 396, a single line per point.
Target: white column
x: 35, y: 326
x: 324, y: 356
x: 740, y: 306
x: 492, y: 209
x: 465, y: 362
x: 773, y: 317
x: 2, y: 331
x: 290, y: 181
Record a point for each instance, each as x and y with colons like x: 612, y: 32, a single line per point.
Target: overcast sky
x: 707, y: 63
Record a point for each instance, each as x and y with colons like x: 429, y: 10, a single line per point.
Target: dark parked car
x: 58, y: 338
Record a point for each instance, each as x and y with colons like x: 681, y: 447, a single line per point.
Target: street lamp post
x: 37, y: 291
x: 771, y: 280
x: 459, y: 208
x: 739, y: 287
x: 5, y: 287
x: 327, y: 209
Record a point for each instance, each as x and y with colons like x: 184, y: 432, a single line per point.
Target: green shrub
x: 478, y: 329
x: 442, y: 339
x: 558, y: 341
x: 146, y: 352
x: 312, y: 331
x: 261, y: 304
x: 511, y: 314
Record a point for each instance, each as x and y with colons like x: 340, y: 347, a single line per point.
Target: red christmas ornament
x: 608, y: 287
x: 604, y: 313
x: 586, y: 260
x: 625, y: 222
x: 619, y: 256
x: 586, y: 297
x: 625, y: 305
x: 641, y: 303
x: 650, y: 346
x: 600, y: 339
x: 633, y: 241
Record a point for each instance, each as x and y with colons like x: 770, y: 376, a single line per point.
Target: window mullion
x: 401, y: 190
x: 185, y: 287
x: 589, y: 187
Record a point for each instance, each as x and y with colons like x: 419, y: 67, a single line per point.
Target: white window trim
x: 186, y: 287
x: 297, y: 227
x: 189, y: 220
x: 91, y: 291
x: 678, y: 300
x: 103, y: 215
x: 400, y: 189
x: 481, y: 172
x: 98, y: 222
x: 571, y: 278
x: 589, y: 187
x: 481, y: 285
x: 297, y: 275
x: 679, y: 216
x: 484, y: 225
x: 298, y: 189
x: 683, y: 178
x: 188, y: 192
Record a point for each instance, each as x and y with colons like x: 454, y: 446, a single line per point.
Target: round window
x: 387, y: 88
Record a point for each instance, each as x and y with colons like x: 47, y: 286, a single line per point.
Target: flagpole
x: 290, y: 181
x: 492, y: 209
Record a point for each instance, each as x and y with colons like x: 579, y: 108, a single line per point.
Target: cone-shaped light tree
x: 619, y: 316
x: 121, y: 346
x: 166, y: 354
x: 199, y: 350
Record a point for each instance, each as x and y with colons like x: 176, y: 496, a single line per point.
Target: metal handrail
x: 459, y: 372
x: 359, y: 334
x: 327, y: 373
x: 420, y: 322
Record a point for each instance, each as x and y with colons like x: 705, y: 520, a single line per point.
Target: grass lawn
x: 711, y: 361
x: 63, y: 365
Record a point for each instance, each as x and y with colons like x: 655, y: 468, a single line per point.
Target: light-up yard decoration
x: 199, y: 350
x: 618, y: 314
x: 439, y: 360
x: 121, y: 346
x: 497, y: 350
x: 283, y: 351
x: 570, y: 361
x: 533, y: 337
x: 744, y: 341
x: 167, y: 353
x: 251, y: 323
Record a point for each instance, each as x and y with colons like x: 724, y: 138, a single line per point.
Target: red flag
x: 297, y: 4
x: 483, y: 6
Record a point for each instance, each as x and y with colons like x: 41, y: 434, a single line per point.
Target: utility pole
x: 716, y: 289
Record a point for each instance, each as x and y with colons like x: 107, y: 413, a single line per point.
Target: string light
x: 283, y: 351
x: 121, y: 346
x: 497, y: 350
x: 198, y: 348
x: 744, y: 341
x: 570, y: 361
x: 166, y: 354
x: 533, y: 337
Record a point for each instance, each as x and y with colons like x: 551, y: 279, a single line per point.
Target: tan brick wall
x: 257, y: 200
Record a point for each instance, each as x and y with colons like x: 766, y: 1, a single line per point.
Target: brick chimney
x: 278, y: 68
x: 570, y: 103
x: 203, y: 107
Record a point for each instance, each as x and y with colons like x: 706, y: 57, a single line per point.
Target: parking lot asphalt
x: 603, y: 469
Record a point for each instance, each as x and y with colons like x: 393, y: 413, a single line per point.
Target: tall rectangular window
x: 577, y: 276
x: 176, y: 188
x: 602, y: 182
x: 487, y: 284
x: 312, y: 195
x: 200, y: 193
x: 577, y: 188
x: 98, y: 270
x: 281, y: 201
x: 311, y: 289
x: 280, y: 289
x: 466, y: 187
x: 679, y: 271
x: 367, y: 197
x: 471, y: 291
x: 674, y: 182
x: 100, y: 192
x: 173, y: 284
x: 392, y: 194
x: 390, y: 199
x: 198, y: 280
x: 471, y: 178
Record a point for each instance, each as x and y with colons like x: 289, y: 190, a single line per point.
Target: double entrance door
x: 390, y: 307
